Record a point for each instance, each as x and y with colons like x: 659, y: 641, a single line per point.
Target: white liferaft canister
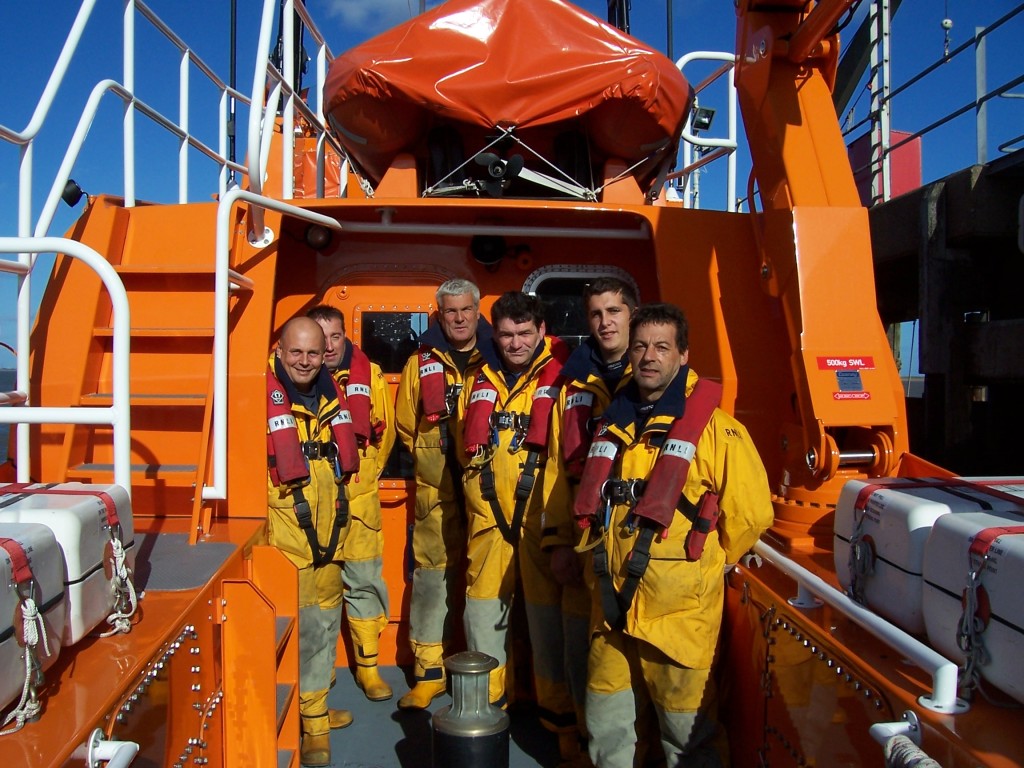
x: 80, y: 517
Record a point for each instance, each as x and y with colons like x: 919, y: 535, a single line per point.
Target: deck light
x: 72, y: 193
x: 701, y: 119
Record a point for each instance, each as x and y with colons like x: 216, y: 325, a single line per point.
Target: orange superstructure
x: 782, y: 312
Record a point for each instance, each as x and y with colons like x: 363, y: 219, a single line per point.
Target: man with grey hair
x: 427, y: 419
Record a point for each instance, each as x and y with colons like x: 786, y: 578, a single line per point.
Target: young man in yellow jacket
x: 506, y: 419
x: 594, y: 372
x: 428, y: 425
x: 373, y: 420
x: 673, y: 490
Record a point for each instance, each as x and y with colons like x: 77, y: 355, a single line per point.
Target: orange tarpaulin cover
x: 509, y: 63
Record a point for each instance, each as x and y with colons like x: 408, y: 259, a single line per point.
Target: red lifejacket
x: 432, y: 385
x: 357, y: 392
x: 665, y: 483
x: 579, y: 407
x: 285, y: 459
x: 484, y: 397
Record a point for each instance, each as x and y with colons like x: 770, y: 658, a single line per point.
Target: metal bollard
x: 470, y: 732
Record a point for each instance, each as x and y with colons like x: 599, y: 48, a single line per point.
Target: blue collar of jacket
x: 621, y: 412
x: 434, y: 338
x: 584, y: 362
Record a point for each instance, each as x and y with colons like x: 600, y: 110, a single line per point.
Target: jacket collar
x: 621, y: 412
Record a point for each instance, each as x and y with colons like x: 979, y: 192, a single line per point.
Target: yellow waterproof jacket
x: 678, y: 605
x: 374, y: 457
x: 422, y: 437
x: 505, y: 462
x: 321, y: 492
x: 558, y: 528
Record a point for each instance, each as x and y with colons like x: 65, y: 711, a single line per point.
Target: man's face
x: 517, y: 342
x: 459, y: 316
x: 608, y: 317
x: 334, y: 338
x: 301, y: 352
x: 655, y: 358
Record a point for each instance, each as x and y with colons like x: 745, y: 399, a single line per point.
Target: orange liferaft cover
x: 517, y: 64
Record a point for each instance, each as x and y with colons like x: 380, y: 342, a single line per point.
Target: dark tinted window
x: 388, y: 338
x: 564, y: 315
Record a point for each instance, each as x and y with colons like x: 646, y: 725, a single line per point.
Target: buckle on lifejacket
x: 623, y: 491
x: 313, y: 449
x: 451, y: 399
x: 510, y: 420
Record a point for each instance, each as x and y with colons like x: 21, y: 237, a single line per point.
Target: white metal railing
x: 268, y: 79
x: 261, y: 124
x: 118, y: 415
x: 943, y: 671
x: 877, y: 118
x: 719, y: 147
x: 222, y: 281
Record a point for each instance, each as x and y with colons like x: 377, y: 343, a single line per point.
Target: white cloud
x: 370, y: 17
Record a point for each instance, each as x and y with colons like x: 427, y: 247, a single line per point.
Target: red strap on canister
x: 985, y: 538
x: 20, y: 568
x: 109, y: 505
x: 981, y: 486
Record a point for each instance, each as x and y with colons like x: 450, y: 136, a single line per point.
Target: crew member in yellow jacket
x: 311, y: 452
x: 428, y: 425
x: 672, y: 477
x: 594, y: 372
x: 373, y: 419
x: 506, y: 418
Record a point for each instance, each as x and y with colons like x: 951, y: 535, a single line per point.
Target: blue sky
x: 31, y: 35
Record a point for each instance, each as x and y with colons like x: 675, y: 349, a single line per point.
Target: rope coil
x: 33, y: 629
x: 125, y: 599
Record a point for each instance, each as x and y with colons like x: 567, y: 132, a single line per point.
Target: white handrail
x: 729, y: 144
x: 271, y: 88
x: 223, y: 277
x: 942, y: 670
x: 118, y: 415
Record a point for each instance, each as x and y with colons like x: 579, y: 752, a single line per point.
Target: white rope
x: 125, y: 601
x: 861, y: 559
x: 971, y: 627
x: 33, y: 628
x: 901, y: 752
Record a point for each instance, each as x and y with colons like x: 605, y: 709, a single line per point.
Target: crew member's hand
x: 566, y: 567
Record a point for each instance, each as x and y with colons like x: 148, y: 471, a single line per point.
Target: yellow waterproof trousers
x: 627, y: 679
x: 438, y: 546
x: 319, y: 621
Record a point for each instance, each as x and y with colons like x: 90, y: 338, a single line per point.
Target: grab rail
x: 118, y: 415
x: 223, y: 277
x: 943, y: 671
x: 979, y: 103
x: 271, y: 85
x: 719, y: 147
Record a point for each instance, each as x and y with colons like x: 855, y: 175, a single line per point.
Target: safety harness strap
x: 616, y: 604
x: 304, y: 516
x: 651, y: 504
x: 510, y: 531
